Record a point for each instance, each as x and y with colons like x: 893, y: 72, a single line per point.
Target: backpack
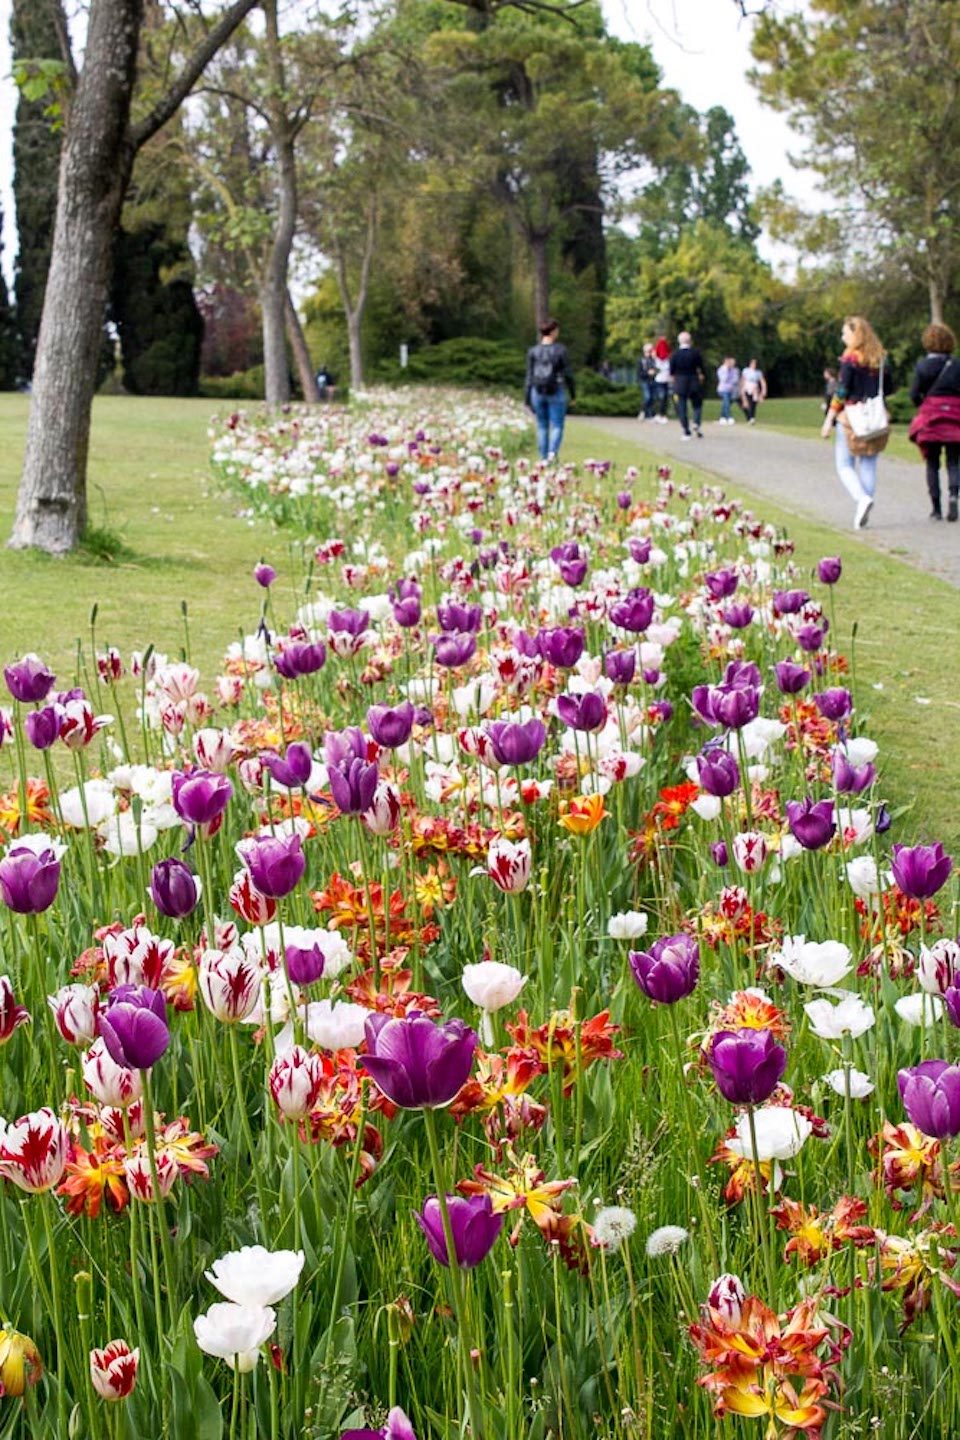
x: 543, y: 376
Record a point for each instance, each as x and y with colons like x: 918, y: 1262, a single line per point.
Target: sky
x: 702, y: 47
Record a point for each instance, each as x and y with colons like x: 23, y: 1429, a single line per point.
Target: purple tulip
x: 931, y: 1097
x: 624, y: 500
x: 455, y: 618
x: 829, y: 569
x: 340, y: 747
x: 634, y: 612
x: 451, y: 650
x: 353, y: 786
x: 789, y: 602
x: 920, y: 870
x: 738, y: 615
x: 407, y: 612
x: 419, y: 1063
x: 620, y: 666
x: 304, y: 963
x: 835, y: 704
x: 883, y: 821
x: 811, y: 822
x: 293, y: 770
x: 741, y: 675
x: 264, y: 574
x: 661, y: 711
x: 474, y: 1225
x: 134, y: 1026
x: 951, y: 998
x: 791, y: 678
x: 174, y: 889
x: 516, y: 743
x: 276, y: 862
x: 527, y: 645
x: 851, y: 779
x: 390, y: 726
x: 398, y: 1427
x: 810, y: 637
x: 720, y: 584
x: 669, y: 970
x: 582, y: 712
x: 29, y: 877
x: 349, y: 622
x: 718, y: 853
x: 640, y: 550
x: 717, y: 772
x: 300, y: 658
x: 43, y: 726
x: 29, y: 680
x: 736, y: 708
x: 747, y: 1065
x: 573, y: 572
x: 200, y: 796
x: 561, y: 647
x: 567, y: 550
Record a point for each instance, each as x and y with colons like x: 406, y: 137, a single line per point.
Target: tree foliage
x: 873, y: 86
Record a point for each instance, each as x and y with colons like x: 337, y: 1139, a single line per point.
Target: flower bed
x: 493, y: 1000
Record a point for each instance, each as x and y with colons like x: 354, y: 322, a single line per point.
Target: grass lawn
x: 181, y: 541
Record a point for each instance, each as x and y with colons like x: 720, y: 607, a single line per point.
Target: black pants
x: 695, y: 398
x: 749, y: 404
x: 932, y: 454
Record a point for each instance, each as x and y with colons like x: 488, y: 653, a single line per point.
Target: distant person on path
x: 661, y: 397
x: 688, y: 375
x: 728, y: 385
x: 549, y: 385
x: 829, y: 388
x: 936, y: 425
x: 647, y: 380
x: 324, y: 383
x: 753, y: 390
x: 859, y: 379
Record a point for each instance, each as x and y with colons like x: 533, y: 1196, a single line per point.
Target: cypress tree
x: 36, y: 157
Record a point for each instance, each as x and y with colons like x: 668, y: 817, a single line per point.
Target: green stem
x: 159, y: 1201
x: 761, y: 1217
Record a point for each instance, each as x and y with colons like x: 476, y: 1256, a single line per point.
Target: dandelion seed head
x: 613, y: 1225
x: 666, y: 1241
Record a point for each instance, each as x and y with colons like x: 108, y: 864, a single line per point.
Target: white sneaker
x: 661, y: 419
x: 862, y: 512
x: 686, y: 437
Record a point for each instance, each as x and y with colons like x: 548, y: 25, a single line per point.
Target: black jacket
x: 561, y: 368
x: 687, y: 370
x: 932, y: 376
x: 856, y: 382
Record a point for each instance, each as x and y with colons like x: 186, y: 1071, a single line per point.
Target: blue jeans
x: 649, y: 395
x: 550, y: 412
x: 725, y: 399
x: 858, y: 473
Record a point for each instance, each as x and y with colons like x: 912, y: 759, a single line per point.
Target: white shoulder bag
x: 868, y: 418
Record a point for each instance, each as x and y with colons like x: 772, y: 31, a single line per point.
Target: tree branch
x: 170, y: 103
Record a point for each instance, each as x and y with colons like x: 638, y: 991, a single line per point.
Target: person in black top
x: 647, y: 380
x: 687, y: 374
x: 549, y: 386
x: 936, y: 391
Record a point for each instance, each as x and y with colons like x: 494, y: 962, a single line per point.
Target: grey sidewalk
x: 799, y: 476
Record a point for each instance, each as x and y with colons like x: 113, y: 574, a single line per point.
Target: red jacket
x: 937, y: 422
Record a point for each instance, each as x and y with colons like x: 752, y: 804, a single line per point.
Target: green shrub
x: 901, y: 407
x: 245, y: 385
x: 468, y: 360
x: 616, y: 400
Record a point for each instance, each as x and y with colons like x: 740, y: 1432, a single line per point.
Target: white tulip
x: 491, y: 984
x: 628, y: 925
x: 256, y: 1276
x: 781, y: 1133
x: 850, y: 1017
x: 235, y: 1333
x: 919, y: 1009
x: 860, y: 1085
x: 810, y: 962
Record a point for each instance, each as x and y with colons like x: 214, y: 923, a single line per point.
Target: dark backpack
x: 543, y: 376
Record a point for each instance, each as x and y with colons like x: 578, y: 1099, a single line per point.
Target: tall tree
x: 101, y: 141
x: 873, y: 86
x: 38, y: 30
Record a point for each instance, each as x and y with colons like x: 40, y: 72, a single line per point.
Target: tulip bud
x: 728, y: 1296
x: 20, y: 1364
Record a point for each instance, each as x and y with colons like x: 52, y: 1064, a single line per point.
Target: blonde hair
x: 866, y: 345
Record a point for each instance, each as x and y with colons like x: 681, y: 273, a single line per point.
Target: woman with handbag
x: 859, y: 382
x: 936, y: 425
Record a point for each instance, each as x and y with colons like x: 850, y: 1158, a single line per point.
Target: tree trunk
x: 273, y: 288
x: 541, y: 277
x: 301, y: 353
x: 935, y: 291
x: 354, y: 318
x: 95, y: 166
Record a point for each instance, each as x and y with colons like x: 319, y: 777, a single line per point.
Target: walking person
x: 688, y: 375
x: 753, y: 390
x: 936, y: 425
x: 728, y: 384
x: 548, y: 388
x: 661, y: 385
x: 647, y: 380
x: 859, y: 379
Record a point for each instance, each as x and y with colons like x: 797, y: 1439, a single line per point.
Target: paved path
x: 798, y: 475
